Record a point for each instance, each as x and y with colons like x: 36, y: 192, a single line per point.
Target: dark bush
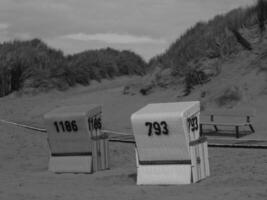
x: 241, y: 40
x: 192, y: 78
x: 209, y: 39
x: 261, y: 14
x: 230, y: 96
x: 33, y: 64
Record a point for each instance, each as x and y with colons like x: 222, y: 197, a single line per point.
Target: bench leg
x: 237, y: 131
x: 251, y: 128
x: 216, y: 128
x: 200, y: 130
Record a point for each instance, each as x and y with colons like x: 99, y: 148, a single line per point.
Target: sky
x: 146, y: 27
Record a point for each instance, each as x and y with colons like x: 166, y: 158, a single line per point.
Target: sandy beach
x: 24, y: 154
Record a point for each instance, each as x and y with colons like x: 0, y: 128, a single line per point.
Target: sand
x: 24, y: 154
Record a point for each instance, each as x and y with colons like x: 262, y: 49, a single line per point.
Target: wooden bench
x: 235, y: 118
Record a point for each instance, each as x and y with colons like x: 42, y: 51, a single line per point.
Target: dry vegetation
x: 199, y: 55
x: 194, y: 59
x: 32, y: 65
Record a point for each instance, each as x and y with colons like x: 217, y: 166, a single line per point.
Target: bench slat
x: 233, y: 113
x: 225, y: 124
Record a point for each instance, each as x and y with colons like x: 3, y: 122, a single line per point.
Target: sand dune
x: 24, y: 154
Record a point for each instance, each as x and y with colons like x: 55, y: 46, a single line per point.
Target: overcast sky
x: 144, y: 26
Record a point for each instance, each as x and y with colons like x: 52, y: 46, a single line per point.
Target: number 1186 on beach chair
x: 76, y: 142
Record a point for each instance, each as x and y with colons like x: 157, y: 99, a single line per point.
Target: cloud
x: 4, y: 32
x: 151, y: 24
x: 114, y: 38
x: 4, y: 26
x: 23, y: 36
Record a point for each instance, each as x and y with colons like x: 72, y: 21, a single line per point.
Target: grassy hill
x: 32, y: 65
x: 222, y: 60
x: 218, y: 38
x: 197, y: 59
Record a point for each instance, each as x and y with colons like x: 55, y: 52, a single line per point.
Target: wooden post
x: 94, y: 154
x: 206, y: 157
x: 211, y: 118
x: 202, y: 160
x: 237, y: 131
x: 248, y: 119
x: 100, y: 152
x: 194, y: 164
x: 251, y: 128
x: 106, y: 143
x: 201, y: 129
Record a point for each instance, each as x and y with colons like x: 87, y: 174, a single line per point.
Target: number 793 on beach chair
x: 169, y: 149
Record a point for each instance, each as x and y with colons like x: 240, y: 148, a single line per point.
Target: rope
x: 44, y: 130
x: 24, y: 126
x: 115, y: 136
